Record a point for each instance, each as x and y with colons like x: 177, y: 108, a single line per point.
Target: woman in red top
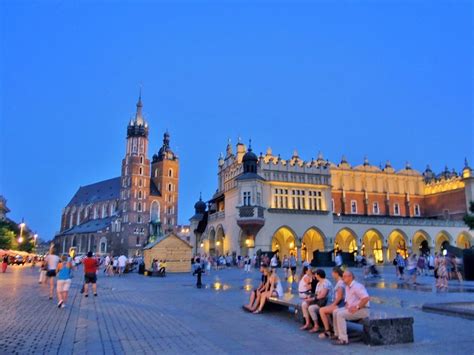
x: 90, y: 274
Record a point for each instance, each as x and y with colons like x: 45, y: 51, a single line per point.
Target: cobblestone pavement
x: 135, y: 314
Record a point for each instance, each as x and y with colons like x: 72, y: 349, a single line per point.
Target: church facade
x: 122, y: 214
x: 294, y: 206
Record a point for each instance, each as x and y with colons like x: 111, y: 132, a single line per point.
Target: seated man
x: 256, y: 293
x: 357, y: 307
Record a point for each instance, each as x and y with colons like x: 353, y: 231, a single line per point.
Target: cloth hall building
x: 123, y: 214
x: 294, y: 206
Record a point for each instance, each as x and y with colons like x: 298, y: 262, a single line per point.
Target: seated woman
x: 256, y: 293
x: 338, y: 302
x: 275, y: 290
x: 154, y: 266
x: 162, y: 268
x: 304, y: 285
x: 323, y: 292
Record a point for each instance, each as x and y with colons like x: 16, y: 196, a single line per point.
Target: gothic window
x: 140, y: 171
x: 104, y: 211
x: 396, y: 209
x: 170, y: 187
x: 138, y: 241
x: 141, y: 160
x: 139, y: 195
x: 139, y: 207
x: 140, y: 182
x: 417, y: 211
x: 155, y: 211
x: 156, y: 172
x: 375, y: 208
x: 353, y: 206
x: 170, y: 172
x: 139, y: 219
x: 96, y: 212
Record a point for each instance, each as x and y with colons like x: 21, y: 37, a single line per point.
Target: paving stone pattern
x: 139, y: 315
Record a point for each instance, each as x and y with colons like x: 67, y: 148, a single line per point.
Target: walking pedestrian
x: 441, y: 273
x: 51, y: 261
x: 122, y: 262
x: 90, y: 274
x: 198, y: 272
x: 411, y: 268
x: 4, y: 263
x: 292, y: 266
x: 64, y: 280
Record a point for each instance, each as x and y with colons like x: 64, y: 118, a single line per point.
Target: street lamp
x: 35, y: 236
x: 20, y: 239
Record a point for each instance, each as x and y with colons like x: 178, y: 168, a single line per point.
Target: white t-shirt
x: 304, y: 285
x: 107, y: 260
x: 122, y: 260
x: 53, y: 261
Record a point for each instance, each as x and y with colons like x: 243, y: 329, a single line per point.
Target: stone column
x: 298, y: 251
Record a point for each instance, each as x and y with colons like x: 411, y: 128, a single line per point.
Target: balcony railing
x: 251, y: 212
x: 216, y: 216
x: 398, y: 221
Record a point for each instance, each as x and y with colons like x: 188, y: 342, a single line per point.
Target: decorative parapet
x: 250, y: 212
x: 216, y: 216
x: 398, y: 221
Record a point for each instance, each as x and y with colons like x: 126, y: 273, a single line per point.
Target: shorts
x: 412, y: 272
x: 63, y: 285
x: 90, y: 278
x: 51, y: 273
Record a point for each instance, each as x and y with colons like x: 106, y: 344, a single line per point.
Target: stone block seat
x: 376, y: 330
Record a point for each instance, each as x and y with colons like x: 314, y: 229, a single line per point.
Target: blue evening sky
x: 387, y: 79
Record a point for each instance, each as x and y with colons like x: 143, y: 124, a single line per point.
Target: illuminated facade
x: 122, y: 214
x: 298, y: 206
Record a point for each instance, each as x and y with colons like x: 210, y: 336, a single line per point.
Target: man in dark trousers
x: 198, y: 272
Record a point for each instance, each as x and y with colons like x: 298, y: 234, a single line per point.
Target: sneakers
x: 60, y: 304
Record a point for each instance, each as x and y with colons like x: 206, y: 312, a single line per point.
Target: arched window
x: 155, y: 211
x: 103, y: 245
x: 139, y: 195
x: 96, y: 212
x: 170, y: 172
x: 170, y: 187
x: 140, y: 183
x: 139, y: 219
x: 141, y: 171
x: 141, y: 159
x: 156, y: 172
x: 104, y: 211
x: 139, y: 207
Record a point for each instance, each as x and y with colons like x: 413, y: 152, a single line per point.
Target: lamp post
x: 35, y: 236
x: 20, y: 239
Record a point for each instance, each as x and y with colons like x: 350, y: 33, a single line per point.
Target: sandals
x: 257, y: 311
x: 340, y: 342
x: 325, y: 334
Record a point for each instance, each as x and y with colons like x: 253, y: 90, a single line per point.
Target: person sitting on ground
x: 356, y: 307
x: 275, y: 290
x: 162, y: 269
x: 154, y: 266
x: 323, y: 293
x: 338, y: 302
x: 304, y: 285
x: 256, y: 293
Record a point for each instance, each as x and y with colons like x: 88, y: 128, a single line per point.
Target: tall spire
x: 139, y: 116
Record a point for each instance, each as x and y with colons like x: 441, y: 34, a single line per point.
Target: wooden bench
x: 375, y: 330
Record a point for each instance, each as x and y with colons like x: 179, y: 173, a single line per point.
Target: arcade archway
x: 421, y: 242
x: 284, y: 242
x: 220, y: 240
x: 346, y: 241
x: 313, y: 239
x: 372, y: 243
x: 442, y: 240
x: 397, y: 242
x: 463, y: 240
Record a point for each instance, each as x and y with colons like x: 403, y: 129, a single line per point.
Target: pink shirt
x: 354, y: 293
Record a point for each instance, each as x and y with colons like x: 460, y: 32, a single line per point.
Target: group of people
x: 444, y: 267
x: 61, y: 270
x: 327, y: 309
x: 116, y: 265
x: 158, y: 266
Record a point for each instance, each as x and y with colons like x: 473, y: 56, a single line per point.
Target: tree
x: 9, y: 233
x: 469, y: 218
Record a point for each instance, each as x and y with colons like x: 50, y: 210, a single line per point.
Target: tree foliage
x: 469, y: 218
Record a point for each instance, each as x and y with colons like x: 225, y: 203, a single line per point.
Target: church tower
x: 135, y: 180
x: 165, y: 176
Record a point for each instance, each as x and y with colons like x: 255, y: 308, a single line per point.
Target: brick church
x: 123, y: 214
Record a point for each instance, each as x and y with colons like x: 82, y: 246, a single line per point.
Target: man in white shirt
x: 122, y: 261
x: 357, y: 307
x: 52, y: 261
